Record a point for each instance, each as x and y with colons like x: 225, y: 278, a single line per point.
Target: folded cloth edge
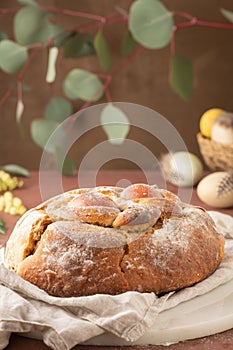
x: 130, y: 332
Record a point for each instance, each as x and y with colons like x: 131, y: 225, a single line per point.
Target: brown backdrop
x: 144, y: 81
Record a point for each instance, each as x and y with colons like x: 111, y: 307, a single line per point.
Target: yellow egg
x: 207, y: 120
x: 216, y: 189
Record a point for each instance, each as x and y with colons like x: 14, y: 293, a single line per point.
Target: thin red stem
x: 19, y: 91
x: 30, y: 58
x: 131, y: 58
x: 35, y: 46
x: 108, y: 95
x: 214, y: 24
x: 73, y: 13
x: 102, y: 76
x: 6, y: 95
x: 172, y: 42
x: 193, y: 21
x: 86, y: 104
x: 6, y: 11
x: 115, y: 19
x: 108, y: 78
x: 91, y: 16
x: 197, y: 22
x: 186, y: 24
x: 107, y: 82
x: 85, y: 27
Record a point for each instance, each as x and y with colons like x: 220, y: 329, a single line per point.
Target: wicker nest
x: 217, y: 156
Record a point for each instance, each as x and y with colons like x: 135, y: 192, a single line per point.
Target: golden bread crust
x: 111, y: 240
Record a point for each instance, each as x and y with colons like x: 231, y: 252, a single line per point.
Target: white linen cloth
x: 65, y: 322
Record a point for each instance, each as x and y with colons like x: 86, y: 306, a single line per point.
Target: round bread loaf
x: 111, y: 240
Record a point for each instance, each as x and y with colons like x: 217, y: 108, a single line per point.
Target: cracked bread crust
x: 157, y: 244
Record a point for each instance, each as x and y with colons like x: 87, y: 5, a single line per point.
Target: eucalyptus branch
x: 194, y: 21
x: 94, y: 22
x: 87, y: 37
x: 19, y: 78
x: 108, y: 78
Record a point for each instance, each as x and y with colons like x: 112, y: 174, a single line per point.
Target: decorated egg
x: 222, y: 129
x: 216, y: 189
x: 182, y: 169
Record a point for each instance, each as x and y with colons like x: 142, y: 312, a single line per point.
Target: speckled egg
x: 216, y: 189
x: 222, y: 130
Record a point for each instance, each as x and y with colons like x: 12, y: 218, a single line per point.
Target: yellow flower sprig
x: 11, y: 205
x: 9, y: 183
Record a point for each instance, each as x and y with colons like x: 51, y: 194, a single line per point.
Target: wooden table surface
x: 31, y: 196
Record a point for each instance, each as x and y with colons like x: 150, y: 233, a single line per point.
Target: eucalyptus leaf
x: 15, y: 169
x: 115, y: 123
x: 27, y: 24
x: 50, y: 31
x: 3, y: 36
x: 73, y: 46
x: 227, y: 14
x: 82, y: 84
x: 62, y: 38
x: 64, y: 163
x: 150, y: 23
x: 31, y: 25
x: 28, y: 2
x: 12, y: 56
x: 87, y: 48
x: 42, y: 129
x: 2, y: 227
x: 181, y: 76
x: 102, y: 50
x: 128, y: 45
x: 79, y: 46
x: 58, y: 109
